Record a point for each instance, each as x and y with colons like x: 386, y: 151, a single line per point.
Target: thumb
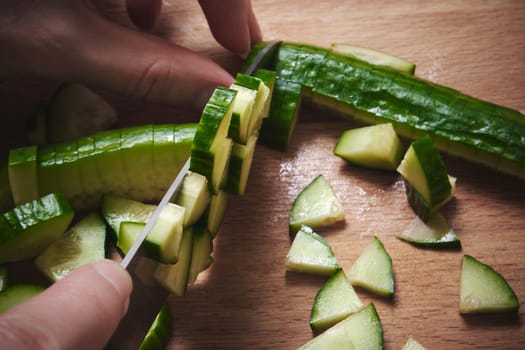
x: 80, y: 311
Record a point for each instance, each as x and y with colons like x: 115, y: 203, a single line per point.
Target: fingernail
x: 117, y: 276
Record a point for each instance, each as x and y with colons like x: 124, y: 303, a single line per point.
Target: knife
x: 148, y: 296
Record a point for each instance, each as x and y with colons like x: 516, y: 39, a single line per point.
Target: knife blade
x: 148, y: 296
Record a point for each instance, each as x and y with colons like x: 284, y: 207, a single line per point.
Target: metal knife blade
x: 262, y: 55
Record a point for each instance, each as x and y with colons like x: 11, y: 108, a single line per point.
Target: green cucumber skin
x: 462, y: 125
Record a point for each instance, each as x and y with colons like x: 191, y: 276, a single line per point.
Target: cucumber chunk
x: 29, y: 228
x: 242, y: 112
x: 201, y: 257
x: 315, y: 206
x: 194, y: 196
x: 268, y: 78
x: 376, y: 147
x: 373, y: 270
x: 311, y: 253
x: 82, y: 244
x: 116, y: 210
x: 434, y: 233
x: 22, y: 170
x: 17, y: 294
x: 335, y: 301
x: 361, y: 330
x: 159, y: 333
x: 214, y: 215
x: 483, y: 290
x: 240, y: 165
x: 420, y: 206
x: 412, y: 344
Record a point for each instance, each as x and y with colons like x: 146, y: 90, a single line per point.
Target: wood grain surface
x: 247, y: 300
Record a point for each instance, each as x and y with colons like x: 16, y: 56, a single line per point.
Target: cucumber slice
x: 201, y: 258
x: 311, y: 253
x: 89, y: 172
x: 17, y: 294
x: 116, y: 210
x: 194, y: 196
x: 335, y: 301
x: 268, y: 78
x: 110, y: 158
x: 175, y: 277
x: 262, y: 94
x: 214, y: 215
x: 82, y: 244
x: 240, y: 165
x: 434, y: 233
x: 242, y: 112
x: 420, y: 206
x: 68, y: 173
x: 47, y: 171
x: 376, y: 147
x: 22, y: 172
x: 159, y: 333
x: 361, y: 330
x: 375, y: 57
x: 483, y: 290
x: 412, y: 344
x: 373, y: 270
x: 4, y: 278
x: 163, y: 242
x: 29, y: 228
x: 316, y: 205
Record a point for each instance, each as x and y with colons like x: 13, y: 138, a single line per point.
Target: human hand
x: 72, y: 40
x: 80, y: 311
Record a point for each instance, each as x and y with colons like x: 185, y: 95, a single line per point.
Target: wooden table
x: 247, y: 300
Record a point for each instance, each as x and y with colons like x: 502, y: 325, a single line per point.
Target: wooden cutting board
x: 247, y: 300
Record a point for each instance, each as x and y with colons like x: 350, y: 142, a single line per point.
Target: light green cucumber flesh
x: 82, y: 244
x: 373, y: 270
x: 240, y: 165
x: 109, y: 155
x: 483, y: 290
x: 22, y: 170
x: 29, y: 228
x: 412, y: 344
x: 434, y: 233
x: 160, y: 331
x: 268, y: 78
x: 242, y: 112
x: 335, y: 301
x: 361, y: 330
x: 420, y: 206
x: 89, y: 176
x: 311, y: 253
x: 376, y: 147
x: 117, y: 209
x: 18, y: 294
x: 202, y: 248
x: 316, y: 205
x: 214, y: 214
x: 194, y: 196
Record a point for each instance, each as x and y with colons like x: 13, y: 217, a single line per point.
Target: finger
x: 232, y: 23
x: 81, y: 311
x: 144, y: 13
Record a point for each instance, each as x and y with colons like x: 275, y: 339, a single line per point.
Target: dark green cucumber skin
x: 477, y: 130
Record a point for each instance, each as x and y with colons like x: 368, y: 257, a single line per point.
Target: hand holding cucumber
x: 77, y: 41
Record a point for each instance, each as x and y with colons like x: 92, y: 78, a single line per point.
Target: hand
x: 80, y: 311
x: 73, y: 40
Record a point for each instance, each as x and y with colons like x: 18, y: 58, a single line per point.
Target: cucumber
x: 46, y: 172
x: 412, y: 344
x: 335, y: 301
x: 361, y: 330
x: 434, y: 233
x: 211, y: 147
x: 373, y: 270
x: 375, y: 57
x: 311, y: 253
x: 36, y: 124
x: 242, y: 112
x: 202, y: 248
x: 82, y: 244
x: 89, y: 172
x: 22, y: 170
x: 214, y: 215
x: 316, y: 205
x: 268, y: 78
x: 376, y: 147
x: 159, y: 333
x: 110, y: 157
x: 17, y: 294
x: 194, y: 196
x: 117, y: 209
x: 483, y: 290
x: 28, y: 229
x: 163, y: 242
x: 420, y: 206
x: 68, y: 172
x: 174, y: 277
x: 239, y: 166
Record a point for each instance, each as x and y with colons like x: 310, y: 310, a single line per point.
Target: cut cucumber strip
x: 375, y: 57
x: 361, y: 330
x: 268, y: 78
x: 240, y: 165
x: 262, y: 94
x: 214, y: 215
x: 483, y: 290
x: 316, y: 205
x: 110, y: 156
x: 116, y: 210
x: 412, y: 344
x: 311, y: 253
x: 82, y: 244
x: 174, y: 277
x: 22, y: 170
x: 194, y: 196
x: 373, y: 270
x: 17, y: 294
x: 29, y: 228
x: 47, y: 171
x: 335, y: 301
x: 89, y: 176
x: 420, y: 206
x: 434, y: 233
x: 242, y: 112
x: 159, y: 333
x: 376, y: 147
x: 201, y: 258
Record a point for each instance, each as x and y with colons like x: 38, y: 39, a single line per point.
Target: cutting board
x: 247, y: 300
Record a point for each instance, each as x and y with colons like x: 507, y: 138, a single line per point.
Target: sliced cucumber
x: 420, y: 206
x: 82, y: 244
x: 110, y: 157
x: 17, y: 294
x: 484, y: 290
x: 239, y: 166
x: 47, y: 171
x: 214, y: 215
x: 89, y: 172
x: 6, y: 197
x: 174, y: 277
x: 159, y: 333
x: 116, y: 210
x: 376, y: 146
x: 268, y: 78
x: 29, y: 228
x: 201, y: 257
x: 361, y: 330
x: 412, y: 344
x: 311, y: 253
x: 375, y: 57
x: 262, y: 94
x: 316, y: 205
x: 22, y: 172
x: 434, y: 233
x: 194, y: 196
x: 68, y: 173
x: 373, y: 270
x: 335, y: 301
x: 242, y: 112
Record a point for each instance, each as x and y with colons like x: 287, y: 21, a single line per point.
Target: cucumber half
x: 117, y: 209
